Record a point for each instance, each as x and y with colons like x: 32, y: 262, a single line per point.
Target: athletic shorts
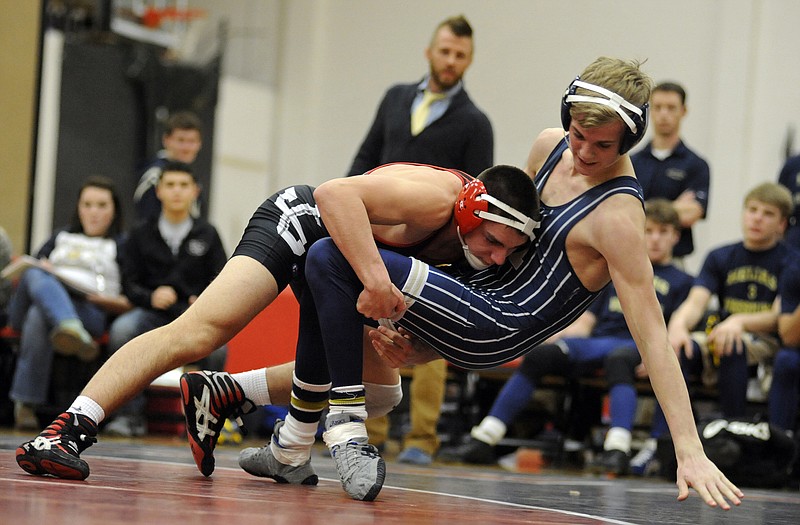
x: 280, y: 232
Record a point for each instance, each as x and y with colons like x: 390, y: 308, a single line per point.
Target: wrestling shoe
x: 56, y: 450
x: 262, y: 462
x: 209, y: 398
x: 359, y: 464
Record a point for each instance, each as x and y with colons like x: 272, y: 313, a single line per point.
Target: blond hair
x: 662, y: 211
x: 623, y: 77
x: 773, y: 194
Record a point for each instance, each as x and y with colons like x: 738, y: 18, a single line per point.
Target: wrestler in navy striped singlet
x: 495, y: 315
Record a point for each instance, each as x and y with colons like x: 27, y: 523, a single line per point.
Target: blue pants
x: 732, y: 382
x: 39, y: 303
x: 620, y: 367
x: 784, y: 394
x: 583, y: 354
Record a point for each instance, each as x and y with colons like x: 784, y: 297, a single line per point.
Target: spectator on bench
x: 166, y: 263
x: 744, y: 277
x: 54, y: 318
x: 182, y: 140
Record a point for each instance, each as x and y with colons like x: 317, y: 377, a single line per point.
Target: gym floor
x: 154, y: 480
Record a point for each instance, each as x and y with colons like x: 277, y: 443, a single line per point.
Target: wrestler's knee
x: 191, y: 341
x: 322, y: 255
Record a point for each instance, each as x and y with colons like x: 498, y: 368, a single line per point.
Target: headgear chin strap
x: 472, y: 207
x: 636, y: 120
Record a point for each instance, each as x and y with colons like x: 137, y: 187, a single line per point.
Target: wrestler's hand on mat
x: 399, y: 348
x: 696, y: 471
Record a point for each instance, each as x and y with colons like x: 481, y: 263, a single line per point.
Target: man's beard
x: 444, y: 85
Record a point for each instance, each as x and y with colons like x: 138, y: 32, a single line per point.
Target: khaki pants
x: 760, y: 348
x: 426, y: 396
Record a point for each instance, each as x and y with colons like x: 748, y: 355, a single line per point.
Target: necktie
x: 420, y: 115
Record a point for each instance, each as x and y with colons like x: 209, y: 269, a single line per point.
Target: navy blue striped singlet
x: 499, y: 314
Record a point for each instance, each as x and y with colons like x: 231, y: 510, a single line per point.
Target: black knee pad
x: 545, y: 360
x: 621, y: 364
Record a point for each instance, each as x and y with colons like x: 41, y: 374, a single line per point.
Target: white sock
x: 618, y: 438
x: 344, y: 432
x: 490, y: 430
x: 254, y: 386
x: 295, y: 441
x: 88, y: 407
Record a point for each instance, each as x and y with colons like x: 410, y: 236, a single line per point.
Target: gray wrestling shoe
x: 359, y: 464
x: 262, y: 462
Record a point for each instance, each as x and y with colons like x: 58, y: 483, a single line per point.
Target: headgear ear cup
x: 631, y: 137
x: 468, y: 205
x: 566, y: 117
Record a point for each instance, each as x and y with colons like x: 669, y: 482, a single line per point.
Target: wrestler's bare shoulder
x: 541, y: 149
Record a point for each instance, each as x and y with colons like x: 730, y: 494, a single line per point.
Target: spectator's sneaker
x: 209, y: 398
x: 25, y: 417
x: 645, y: 463
x: 614, y: 462
x: 71, y: 338
x: 361, y: 468
x: 473, y: 451
x: 56, y: 451
x: 262, y: 462
x: 414, y: 456
x: 128, y: 426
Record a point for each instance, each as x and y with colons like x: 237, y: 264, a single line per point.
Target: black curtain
x: 115, y: 96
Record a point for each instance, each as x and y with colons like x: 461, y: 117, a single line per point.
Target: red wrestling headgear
x: 472, y: 207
